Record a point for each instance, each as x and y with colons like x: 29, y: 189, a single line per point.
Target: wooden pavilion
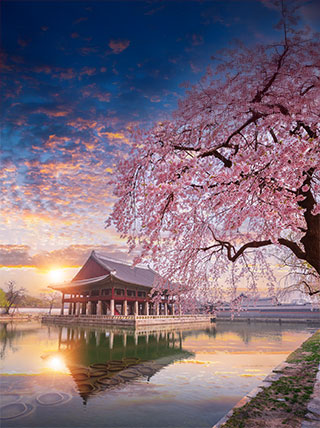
x: 108, y: 287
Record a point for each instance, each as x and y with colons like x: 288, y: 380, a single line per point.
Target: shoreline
x: 275, y: 390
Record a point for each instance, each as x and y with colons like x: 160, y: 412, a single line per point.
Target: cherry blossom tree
x: 233, y: 173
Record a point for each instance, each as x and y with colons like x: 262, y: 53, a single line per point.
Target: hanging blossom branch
x: 239, y: 160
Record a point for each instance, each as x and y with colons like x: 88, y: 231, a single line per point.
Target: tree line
x: 14, y: 297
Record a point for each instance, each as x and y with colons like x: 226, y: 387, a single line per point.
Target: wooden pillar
x: 74, y: 305
x: 166, y: 308
x: 70, y: 308
x: 89, y: 308
x: 125, y: 307
x: 136, y: 308
x: 173, y: 309
x: 78, y: 306
x: 157, y: 308
x: 146, y: 308
x: 99, y: 308
x: 112, y: 307
x: 180, y: 309
x: 62, y: 305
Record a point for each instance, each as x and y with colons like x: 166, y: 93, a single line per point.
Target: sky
x: 76, y: 76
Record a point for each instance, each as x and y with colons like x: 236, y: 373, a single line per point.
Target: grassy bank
x: 284, y: 402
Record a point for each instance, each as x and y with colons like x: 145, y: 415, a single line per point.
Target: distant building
x: 107, y: 287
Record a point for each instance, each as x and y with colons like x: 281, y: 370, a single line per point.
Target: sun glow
x: 56, y: 275
x: 56, y: 364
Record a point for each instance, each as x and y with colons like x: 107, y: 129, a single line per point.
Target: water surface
x: 108, y: 377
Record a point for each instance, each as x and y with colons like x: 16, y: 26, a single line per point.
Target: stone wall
x: 125, y: 320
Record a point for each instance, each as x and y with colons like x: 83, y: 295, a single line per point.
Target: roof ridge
x: 102, y: 264
x: 96, y: 255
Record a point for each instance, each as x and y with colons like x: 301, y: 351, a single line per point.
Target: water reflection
x: 188, y: 376
x: 101, y: 359
x: 11, y: 332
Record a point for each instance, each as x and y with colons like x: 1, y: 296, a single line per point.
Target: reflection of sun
x: 56, y: 364
x: 56, y: 275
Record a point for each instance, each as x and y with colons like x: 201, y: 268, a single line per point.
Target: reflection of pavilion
x: 103, y: 359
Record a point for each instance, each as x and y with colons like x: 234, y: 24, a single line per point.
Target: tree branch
x: 310, y: 291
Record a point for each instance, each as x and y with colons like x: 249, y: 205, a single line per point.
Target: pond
x: 61, y: 376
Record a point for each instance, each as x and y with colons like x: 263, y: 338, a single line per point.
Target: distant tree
x: 236, y: 170
x: 3, y: 300
x: 14, y: 296
x: 51, y: 299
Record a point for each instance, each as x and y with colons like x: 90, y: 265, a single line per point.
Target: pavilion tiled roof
x: 125, y: 272
x: 99, y: 268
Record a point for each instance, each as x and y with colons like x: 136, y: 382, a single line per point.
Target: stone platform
x: 125, y: 320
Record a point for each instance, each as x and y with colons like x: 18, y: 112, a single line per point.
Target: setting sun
x: 56, y: 275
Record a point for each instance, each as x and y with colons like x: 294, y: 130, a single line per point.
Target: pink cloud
x: 23, y: 43
x: 67, y: 74
x: 197, y: 40
x: 82, y: 19
x: 71, y: 256
x: 93, y: 91
x: 194, y: 68
x: 88, y: 71
x: 43, y: 69
x: 56, y: 112
x: 118, y: 46
x: 88, y: 50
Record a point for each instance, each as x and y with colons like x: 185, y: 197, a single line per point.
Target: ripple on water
x: 52, y: 398
x: 15, y: 410
x: 7, y: 398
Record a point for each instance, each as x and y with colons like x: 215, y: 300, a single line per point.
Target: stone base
x: 125, y: 320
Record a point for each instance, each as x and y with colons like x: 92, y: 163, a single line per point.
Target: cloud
x: 118, y: 46
x: 89, y: 71
x: 79, y: 20
x: 116, y: 137
x: 18, y: 256
x: 15, y: 256
x: 154, y: 10
x: 46, y: 69
x: 52, y: 113
x: 92, y: 91
x: 311, y: 13
x: 87, y: 50
x: 196, y: 40
x: 23, y: 42
x: 195, y: 68
x: 67, y: 74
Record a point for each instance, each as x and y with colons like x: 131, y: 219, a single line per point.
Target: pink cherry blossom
x: 233, y: 174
